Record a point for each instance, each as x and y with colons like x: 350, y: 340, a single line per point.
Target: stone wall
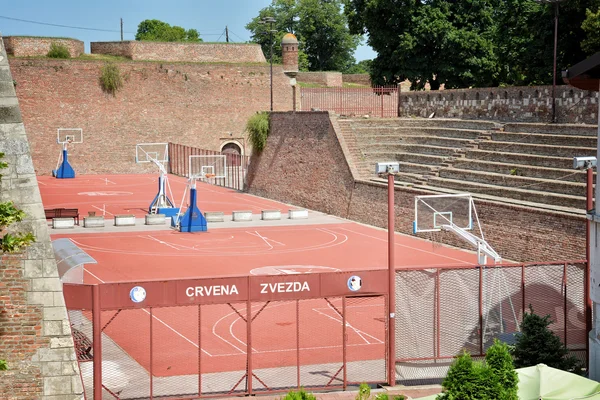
x: 515, y: 104
x: 186, y: 52
x: 322, y: 180
x: 23, y: 46
x: 35, y: 335
x: 326, y: 78
x: 359, y: 79
x: 193, y: 104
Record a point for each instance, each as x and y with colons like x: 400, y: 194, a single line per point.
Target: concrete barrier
x: 214, y: 216
x: 63, y: 223
x: 155, y: 219
x: 125, y: 220
x: 241, y: 216
x: 93, y: 222
x: 298, y: 214
x: 269, y: 215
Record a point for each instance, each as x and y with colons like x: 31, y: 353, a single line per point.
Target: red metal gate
x: 229, y: 336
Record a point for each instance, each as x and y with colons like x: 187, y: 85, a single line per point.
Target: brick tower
x: 289, y: 52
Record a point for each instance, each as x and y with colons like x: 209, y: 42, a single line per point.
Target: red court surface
x: 111, y: 195
x: 168, y: 254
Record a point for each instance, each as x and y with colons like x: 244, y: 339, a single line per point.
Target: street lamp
x: 390, y: 168
x: 555, y: 2
x: 271, y: 21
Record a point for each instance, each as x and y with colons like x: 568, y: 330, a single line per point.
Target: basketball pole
x: 392, y: 285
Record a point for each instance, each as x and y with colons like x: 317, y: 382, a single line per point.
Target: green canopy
x: 545, y: 383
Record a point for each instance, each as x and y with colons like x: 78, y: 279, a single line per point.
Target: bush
x: 3, y: 365
x: 299, y: 395
x: 495, y: 379
x: 258, y: 130
x: 58, y: 50
x: 537, y: 344
x: 110, y: 78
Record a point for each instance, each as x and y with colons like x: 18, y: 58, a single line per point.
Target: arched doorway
x: 233, y: 152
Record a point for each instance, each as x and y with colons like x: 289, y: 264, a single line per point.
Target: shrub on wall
x: 58, y: 50
x: 110, y: 78
x: 258, y: 130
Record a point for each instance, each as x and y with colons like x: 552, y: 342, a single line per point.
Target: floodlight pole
x: 392, y: 285
x: 554, y: 70
x: 587, y: 273
x: 270, y: 20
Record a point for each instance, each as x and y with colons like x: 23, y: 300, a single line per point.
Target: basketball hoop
x: 208, y: 176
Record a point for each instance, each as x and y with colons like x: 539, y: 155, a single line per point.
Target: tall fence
x: 250, y: 335
x: 229, y: 336
x: 442, y: 311
x: 378, y: 101
x: 230, y: 174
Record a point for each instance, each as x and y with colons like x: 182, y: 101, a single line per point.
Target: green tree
x: 537, y: 344
x: 495, y: 379
x: 320, y: 26
x: 591, y: 27
x: 361, y: 67
x: 159, y: 31
x: 436, y: 42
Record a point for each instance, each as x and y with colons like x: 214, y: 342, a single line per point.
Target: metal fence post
x: 151, y: 358
x: 97, y: 340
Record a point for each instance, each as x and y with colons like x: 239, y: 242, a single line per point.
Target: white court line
x: 255, y: 233
x: 222, y: 338
x: 356, y: 330
x: 109, y: 181
x: 41, y: 183
x: 160, y: 320
x: 159, y: 241
x: 103, y: 210
x: 301, y: 349
x: 410, y: 247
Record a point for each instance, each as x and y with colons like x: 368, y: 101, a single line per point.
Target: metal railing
x: 378, y: 101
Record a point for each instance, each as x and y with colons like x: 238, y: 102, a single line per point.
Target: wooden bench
x: 63, y: 213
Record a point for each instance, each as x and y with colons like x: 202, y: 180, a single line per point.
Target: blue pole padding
x: 414, y: 227
x: 193, y: 220
x: 65, y: 170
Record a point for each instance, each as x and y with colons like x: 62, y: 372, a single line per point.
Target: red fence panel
x: 378, y: 101
x: 235, y: 170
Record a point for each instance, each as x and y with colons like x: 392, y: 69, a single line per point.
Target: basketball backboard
x: 201, y: 165
x: 434, y: 211
x: 69, y: 135
x: 150, y: 152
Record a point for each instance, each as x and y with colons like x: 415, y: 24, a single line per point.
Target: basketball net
x: 436, y: 239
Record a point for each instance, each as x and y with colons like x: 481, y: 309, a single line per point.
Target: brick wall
x: 321, y: 180
x: 35, y: 335
x: 360, y: 79
x: 192, y: 104
x: 190, y: 52
x: 524, y: 104
x: 21, y: 46
x: 326, y: 78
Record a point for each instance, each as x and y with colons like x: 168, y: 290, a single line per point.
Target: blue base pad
x: 168, y: 212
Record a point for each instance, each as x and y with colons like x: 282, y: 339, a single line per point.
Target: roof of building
x: 289, y: 38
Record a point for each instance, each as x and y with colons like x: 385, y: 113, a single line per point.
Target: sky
x: 101, y: 19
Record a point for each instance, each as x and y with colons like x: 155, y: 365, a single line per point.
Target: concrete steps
x: 538, y: 149
x: 414, y: 139
x: 545, y: 139
x: 411, y: 148
x: 522, y: 159
x: 560, y: 200
x: 557, y: 129
x: 511, y: 181
x: 521, y: 170
x: 418, y: 131
x: 426, y: 159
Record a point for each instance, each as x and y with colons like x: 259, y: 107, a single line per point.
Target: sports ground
x: 284, y: 332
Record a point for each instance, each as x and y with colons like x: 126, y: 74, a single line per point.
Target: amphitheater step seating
x: 521, y: 170
x: 541, y: 139
x: 414, y: 139
x: 412, y: 148
x: 511, y: 181
x: 552, y: 129
x: 518, y: 163
x: 555, y: 199
x: 368, y: 131
x: 522, y: 159
x: 538, y: 149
